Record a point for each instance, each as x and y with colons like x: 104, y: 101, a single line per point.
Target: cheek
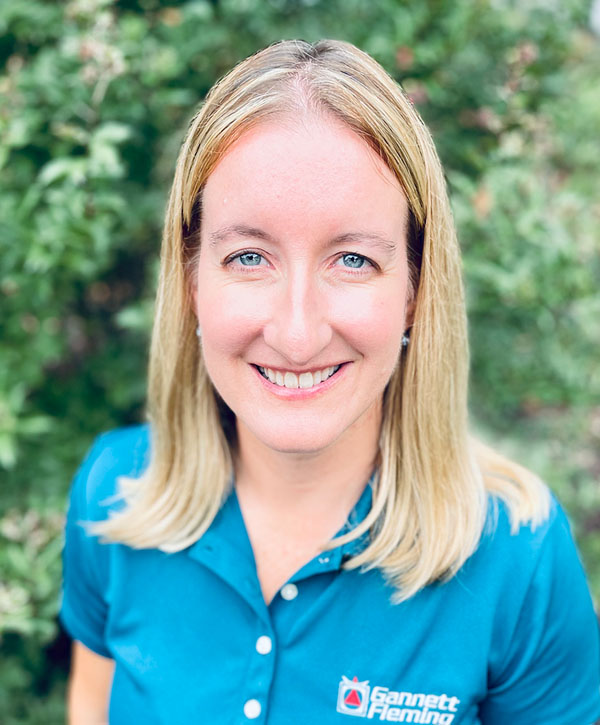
x: 373, y: 319
x: 230, y: 317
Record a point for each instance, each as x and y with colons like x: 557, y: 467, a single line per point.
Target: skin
x: 303, y: 456
x: 89, y: 687
x: 293, y: 275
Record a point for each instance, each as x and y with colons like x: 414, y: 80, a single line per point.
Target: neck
x: 328, y: 479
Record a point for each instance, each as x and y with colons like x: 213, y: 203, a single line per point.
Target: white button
x: 252, y: 709
x: 264, y: 645
x: 289, y: 591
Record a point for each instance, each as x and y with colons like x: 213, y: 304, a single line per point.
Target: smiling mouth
x: 292, y: 380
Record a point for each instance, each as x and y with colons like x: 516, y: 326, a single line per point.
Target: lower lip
x: 301, y: 393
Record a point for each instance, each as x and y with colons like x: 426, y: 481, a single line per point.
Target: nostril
x: 298, y: 334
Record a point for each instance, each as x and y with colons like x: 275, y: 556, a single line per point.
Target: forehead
x: 312, y: 170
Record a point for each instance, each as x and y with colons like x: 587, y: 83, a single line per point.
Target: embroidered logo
x: 353, y: 696
x: 380, y: 703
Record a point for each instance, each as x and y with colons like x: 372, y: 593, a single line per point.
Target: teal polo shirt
x: 512, y: 638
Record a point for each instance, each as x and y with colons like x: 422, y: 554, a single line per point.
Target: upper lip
x: 297, y: 372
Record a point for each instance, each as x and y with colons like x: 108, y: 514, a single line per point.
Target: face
x: 302, y: 282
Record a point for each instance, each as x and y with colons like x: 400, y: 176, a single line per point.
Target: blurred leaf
x: 95, y: 97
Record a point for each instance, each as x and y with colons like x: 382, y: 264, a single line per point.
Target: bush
x: 94, y: 100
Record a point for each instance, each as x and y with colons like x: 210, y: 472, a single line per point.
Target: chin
x: 296, y: 447
x: 295, y: 439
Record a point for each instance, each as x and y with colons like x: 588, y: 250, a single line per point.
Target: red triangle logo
x: 353, y: 698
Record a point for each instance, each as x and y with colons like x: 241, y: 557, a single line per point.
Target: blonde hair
x: 431, y: 489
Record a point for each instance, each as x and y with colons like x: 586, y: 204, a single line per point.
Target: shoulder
x: 502, y: 535
x: 521, y: 552
x: 532, y: 574
x: 543, y: 647
x: 516, y: 564
x: 115, y: 453
x: 86, y: 560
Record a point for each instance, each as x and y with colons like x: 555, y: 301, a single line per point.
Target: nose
x: 298, y: 327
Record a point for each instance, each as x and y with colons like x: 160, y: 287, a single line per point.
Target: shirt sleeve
x: 83, y: 609
x: 549, y: 669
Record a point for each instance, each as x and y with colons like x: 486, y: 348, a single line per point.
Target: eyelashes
x: 249, y: 260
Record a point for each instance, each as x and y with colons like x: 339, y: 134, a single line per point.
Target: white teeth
x: 304, y: 380
x: 290, y: 380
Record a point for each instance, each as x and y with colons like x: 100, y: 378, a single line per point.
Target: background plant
x: 94, y: 99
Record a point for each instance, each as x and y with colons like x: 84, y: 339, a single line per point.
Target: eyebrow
x: 242, y: 230
x: 239, y: 230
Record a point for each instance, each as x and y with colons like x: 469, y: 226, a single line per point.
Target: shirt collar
x: 355, y: 517
x: 226, y: 548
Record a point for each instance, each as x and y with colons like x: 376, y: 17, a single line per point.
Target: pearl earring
x: 405, y: 340
x: 198, y: 331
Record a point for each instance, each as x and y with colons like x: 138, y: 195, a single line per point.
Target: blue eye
x: 249, y: 259
x: 355, y: 261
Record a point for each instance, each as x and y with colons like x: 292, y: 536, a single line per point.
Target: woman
x: 305, y: 531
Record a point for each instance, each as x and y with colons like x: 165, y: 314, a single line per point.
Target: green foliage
x: 94, y: 100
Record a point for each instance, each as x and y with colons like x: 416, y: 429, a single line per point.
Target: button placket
x: 260, y: 674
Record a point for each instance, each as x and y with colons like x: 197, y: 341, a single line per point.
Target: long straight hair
x: 433, y: 480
